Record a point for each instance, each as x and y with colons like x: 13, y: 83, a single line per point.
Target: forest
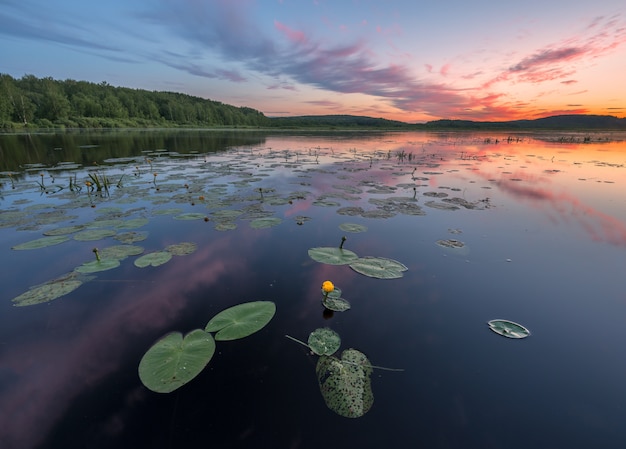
x: 31, y: 102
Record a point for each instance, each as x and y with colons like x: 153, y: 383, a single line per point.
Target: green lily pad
x: 95, y: 266
x: 190, y: 216
x: 346, y: 384
x: 50, y: 290
x: 241, y: 320
x: 352, y: 227
x: 182, y: 249
x: 133, y: 224
x: 508, y: 329
x: 332, y: 255
x: 131, y: 236
x: 173, y: 361
x: 336, y: 304
x: 64, y: 230
x: 262, y: 223
x: 379, y: 267
x: 324, y: 341
x: 154, y: 259
x: 94, y: 234
x: 42, y: 242
x: 121, y: 252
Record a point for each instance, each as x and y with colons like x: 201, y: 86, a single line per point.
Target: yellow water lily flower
x: 327, y: 287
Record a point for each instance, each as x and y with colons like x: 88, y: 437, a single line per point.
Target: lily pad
x: 336, y: 304
x: 182, y: 249
x: 346, y: 384
x: 154, y: 259
x: 352, y: 227
x: 508, y: 329
x: 64, y: 230
x: 42, y: 242
x: 379, y: 267
x: 241, y: 320
x: 332, y: 255
x: 133, y: 224
x: 95, y: 266
x: 190, y: 216
x: 120, y: 252
x: 262, y: 223
x: 131, y: 236
x: 94, y: 234
x: 324, y: 341
x: 175, y: 360
x: 50, y: 290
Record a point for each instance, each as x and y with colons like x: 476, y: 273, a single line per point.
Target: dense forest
x: 31, y: 102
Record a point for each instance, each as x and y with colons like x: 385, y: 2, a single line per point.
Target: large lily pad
x: 345, y: 384
x: 50, y: 290
x: 508, y: 329
x: 332, y: 255
x: 120, y: 252
x: 94, y: 234
x: 241, y: 320
x: 174, y: 360
x: 324, y: 341
x: 182, y: 249
x: 42, y: 242
x: 153, y: 259
x: 379, y: 267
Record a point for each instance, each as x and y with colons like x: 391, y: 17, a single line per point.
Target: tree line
x: 31, y: 102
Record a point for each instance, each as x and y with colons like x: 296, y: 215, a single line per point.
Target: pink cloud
x: 292, y: 35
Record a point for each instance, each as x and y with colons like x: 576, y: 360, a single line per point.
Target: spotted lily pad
x: 175, y: 360
x: 336, y: 304
x: 153, y: 259
x: 241, y: 320
x: 345, y: 384
x: 508, y: 329
x: 42, y: 242
x: 379, y: 267
x: 332, y: 255
x: 324, y: 341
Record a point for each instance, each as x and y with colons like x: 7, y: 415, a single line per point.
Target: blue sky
x: 404, y: 60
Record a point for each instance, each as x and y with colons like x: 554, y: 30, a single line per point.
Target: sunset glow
x: 400, y: 60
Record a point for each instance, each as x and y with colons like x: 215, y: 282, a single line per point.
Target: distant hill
x: 573, y: 121
x: 336, y: 121
x: 563, y: 122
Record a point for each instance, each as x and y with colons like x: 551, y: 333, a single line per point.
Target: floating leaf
x: 133, y: 224
x: 262, y: 223
x: 94, y: 234
x: 173, y: 361
x: 64, y: 230
x: 120, y: 252
x: 131, y: 236
x: 332, y: 255
x: 345, y: 384
x: 508, y: 329
x: 50, y: 290
x: 42, y: 242
x: 324, y: 341
x: 241, y: 320
x: 336, y: 304
x: 379, y: 267
x: 95, y: 266
x: 352, y: 227
x: 451, y: 243
x: 155, y: 259
x: 182, y: 249
x: 190, y: 216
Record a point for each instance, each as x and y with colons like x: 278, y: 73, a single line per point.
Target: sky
x: 407, y: 60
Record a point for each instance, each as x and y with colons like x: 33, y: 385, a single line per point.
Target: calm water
x: 542, y: 217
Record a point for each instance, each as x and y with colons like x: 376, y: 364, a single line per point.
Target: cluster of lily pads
x: 175, y: 359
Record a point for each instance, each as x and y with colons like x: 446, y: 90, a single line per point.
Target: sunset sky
x: 408, y: 60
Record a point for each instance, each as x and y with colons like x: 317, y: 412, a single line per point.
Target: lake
x: 112, y: 240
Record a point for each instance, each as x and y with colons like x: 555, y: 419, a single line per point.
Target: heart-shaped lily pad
x: 42, y: 242
x: 241, y: 320
x: 174, y: 360
x: 154, y: 259
x: 324, y: 341
x: 379, y: 267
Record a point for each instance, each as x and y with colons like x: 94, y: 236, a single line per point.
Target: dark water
x: 544, y: 224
